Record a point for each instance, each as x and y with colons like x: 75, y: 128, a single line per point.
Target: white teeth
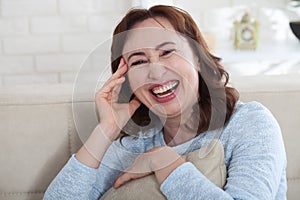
x: 164, y: 88
x: 163, y: 95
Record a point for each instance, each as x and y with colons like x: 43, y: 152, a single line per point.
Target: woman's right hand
x: 111, y: 113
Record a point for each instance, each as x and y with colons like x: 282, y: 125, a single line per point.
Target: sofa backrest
x: 38, y: 131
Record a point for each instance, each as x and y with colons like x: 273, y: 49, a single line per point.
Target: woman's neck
x: 175, y: 132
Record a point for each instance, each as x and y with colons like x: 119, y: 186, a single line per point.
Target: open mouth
x: 162, y: 91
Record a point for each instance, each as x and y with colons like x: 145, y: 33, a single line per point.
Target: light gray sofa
x: 38, y: 133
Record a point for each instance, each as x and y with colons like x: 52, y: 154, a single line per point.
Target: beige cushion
x: 209, y: 160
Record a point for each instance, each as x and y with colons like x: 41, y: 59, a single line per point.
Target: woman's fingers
x: 122, y: 62
x: 109, y: 86
x: 107, y: 97
x: 133, y: 105
x: 115, y: 79
x: 122, y: 69
x: 116, y: 90
x: 125, y: 177
x: 140, y: 168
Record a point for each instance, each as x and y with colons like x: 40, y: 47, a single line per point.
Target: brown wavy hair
x: 217, y: 100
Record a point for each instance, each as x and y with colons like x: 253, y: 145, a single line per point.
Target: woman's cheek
x: 137, y: 78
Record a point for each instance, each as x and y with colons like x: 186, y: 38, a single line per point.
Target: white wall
x: 45, y: 41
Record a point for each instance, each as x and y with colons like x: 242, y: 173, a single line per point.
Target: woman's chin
x: 170, y: 114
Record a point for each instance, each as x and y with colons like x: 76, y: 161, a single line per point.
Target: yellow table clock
x: 246, y: 32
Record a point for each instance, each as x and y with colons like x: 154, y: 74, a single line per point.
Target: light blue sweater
x: 254, y: 156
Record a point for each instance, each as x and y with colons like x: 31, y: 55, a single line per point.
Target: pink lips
x: 167, y: 98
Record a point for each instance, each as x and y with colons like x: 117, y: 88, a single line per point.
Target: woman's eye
x: 139, y: 62
x: 168, y: 52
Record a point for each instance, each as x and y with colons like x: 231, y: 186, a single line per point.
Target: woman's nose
x: 156, y: 71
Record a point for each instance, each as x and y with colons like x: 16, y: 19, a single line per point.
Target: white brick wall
x: 104, y: 23
x: 59, y: 24
x: 45, y: 41
x: 76, y: 7
x: 13, y: 26
x: 12, y: 8
x: 31, y: 44
x: 68, y: 77
x: 112, y: 6
x: 1, y: 48
x: 85, y: 77
x: 82, y: 42
x: 59, y: 62
x: 31, y: 79
x: 16, y: 64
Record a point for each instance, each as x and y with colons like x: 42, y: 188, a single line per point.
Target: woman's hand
x: 161, y: 161
x: 111, y: 113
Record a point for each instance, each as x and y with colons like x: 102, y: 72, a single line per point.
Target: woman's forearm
x: 93, y: 150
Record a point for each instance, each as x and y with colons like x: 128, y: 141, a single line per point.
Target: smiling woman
x: 168, y: 97
x: 162, y: 76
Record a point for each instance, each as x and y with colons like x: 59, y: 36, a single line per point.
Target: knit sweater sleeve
x: 255, y: 168
x: 78, y: 181
x: 74, y: 181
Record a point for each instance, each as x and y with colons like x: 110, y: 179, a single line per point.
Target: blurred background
x: 44, y: 42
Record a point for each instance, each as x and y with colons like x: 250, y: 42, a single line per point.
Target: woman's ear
x: 198, y: 67
x: 196, y: 60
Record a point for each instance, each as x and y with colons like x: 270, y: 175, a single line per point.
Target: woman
x: 161, y: 63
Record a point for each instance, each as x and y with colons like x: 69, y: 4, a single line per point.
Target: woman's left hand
x: 161, y: 161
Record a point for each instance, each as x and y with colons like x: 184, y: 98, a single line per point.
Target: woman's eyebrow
x: 156, y: 48
x: 163, y: 44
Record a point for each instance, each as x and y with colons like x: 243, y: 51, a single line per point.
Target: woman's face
x: 163, y: 71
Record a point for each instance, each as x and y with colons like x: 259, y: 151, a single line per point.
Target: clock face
x: 247, y: 34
